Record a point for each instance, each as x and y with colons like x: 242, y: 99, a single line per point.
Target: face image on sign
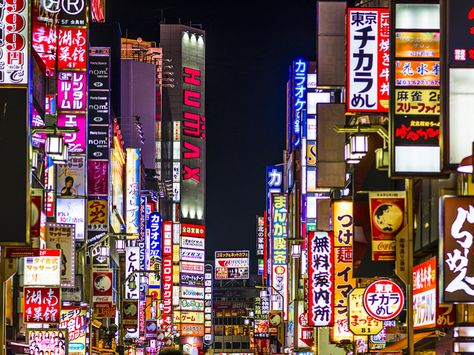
x: 388, y: 218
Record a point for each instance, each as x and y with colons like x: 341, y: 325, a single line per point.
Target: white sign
x: 72, y: 211
x: 192, y: 243
x: 192, y: 292
x: 132, y: 264
x: 192, y: 255
x: 43, y: 270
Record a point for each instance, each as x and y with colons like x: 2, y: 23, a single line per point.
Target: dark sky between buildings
x: 249, y: 47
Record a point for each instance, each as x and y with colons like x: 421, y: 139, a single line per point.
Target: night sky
x: 249, y: 47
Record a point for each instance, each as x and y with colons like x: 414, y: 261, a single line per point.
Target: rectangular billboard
x: 70, y: 177
x: 320, y: 279
x: 457, y: 246
x: 425, y: 295
x: 74, y: 320
x: 72, y: 211
x: 167, y: 274
x: 368, y: 59
x: 132, y: 190
x: 61, y: 237
x: 132, y: 264
x: 40, y: 340
x: 231, y: 265
x: 387, y: 211
x: 42, y: 305
x: 43, y: 270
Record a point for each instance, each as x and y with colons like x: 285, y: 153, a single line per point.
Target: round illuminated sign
x: 383, y: 299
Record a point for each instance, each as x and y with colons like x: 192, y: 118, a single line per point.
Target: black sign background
x: 459, y: 30
x: 98, y: 142
x: 99, y: 72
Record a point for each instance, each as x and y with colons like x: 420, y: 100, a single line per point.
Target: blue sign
x: 299, y: 97
x: 274, y: 182
x: 154, y: 225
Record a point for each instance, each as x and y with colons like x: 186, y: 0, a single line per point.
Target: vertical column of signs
x: 14, y: 64
x: 98, y: 143
x: 415, y: 81
x: 458, y: 67
x: 156, y: 258
x: 72, y: 85
x: 274, y: 184
x: 208, y: 293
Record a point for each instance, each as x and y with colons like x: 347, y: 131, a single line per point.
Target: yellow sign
x: 311, y: 154
x: 360, y: 322
x: 97, y: 213
x: 343, y: 281
x: 417, y: 44
x: 417, y: 102
x: 188, y: 317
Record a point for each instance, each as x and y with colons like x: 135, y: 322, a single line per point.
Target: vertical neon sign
x: 299, y: 97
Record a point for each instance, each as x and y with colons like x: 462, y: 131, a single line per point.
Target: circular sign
x: 383, y: 299
x: 388, y: 218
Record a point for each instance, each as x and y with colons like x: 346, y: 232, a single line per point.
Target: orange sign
x: 417, y: 73
x: 417, y: 44
x: 196, y: 330
x: 97, y: 216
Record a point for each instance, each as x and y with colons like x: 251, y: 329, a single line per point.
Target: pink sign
x: 38, y: 139
x: 72, y: 88
x: 72, y: 46
x: 97, y: 177
x: 76, y: 141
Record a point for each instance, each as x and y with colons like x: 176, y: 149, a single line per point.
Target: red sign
x: 383, y: 299
x: 193, y: 230
x: 102, y: 282
x: 72, y: 43
x: 42, y: 304
x: 424, y: 294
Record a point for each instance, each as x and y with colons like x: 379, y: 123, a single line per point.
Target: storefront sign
x: 132, y: 201
x: 72, y: 211
x: 321, y: 279
x: 232, y: 264
x: 61, y: 237
x: 42, y: 305
x: 384, y: 299
x: 417, y: 44
x: 43, y: 270
x: 102, y: 287
x: 260, y: 235
x: 360, y: 322
x: 97, y: 214
x: 132, y: 265
x: 458, y: 220
x: 417, y: 73
x: 424, y: 294
x: 73, y: 319
x: 72, y: 44
x: 368, y: 59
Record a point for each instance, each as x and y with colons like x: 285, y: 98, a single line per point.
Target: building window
x: 236, y: 345
x: 228, y: 345
x: 245, y: 345
x: 217, y: 345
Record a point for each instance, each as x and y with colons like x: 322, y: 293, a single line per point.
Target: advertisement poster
x: 72, y: 211
x: 70, y: 178
x: 52, y: 341
x: 387, y: 211
x: 232, y: 264
x: 73, y: 319
x: 102, y: 287
x: 97, y: 177
x: 61, y: 237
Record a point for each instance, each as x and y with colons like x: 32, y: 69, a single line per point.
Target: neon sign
x: 299, y: 104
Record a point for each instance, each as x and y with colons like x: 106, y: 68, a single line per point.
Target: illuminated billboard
x: 193, y: 126
x: 321, y: 279
x: 43, y: 270
x: 72, y: 211
x: 231, y: 265
x: 61, y: 237
x: 368, y: 59
x: 14, y: 45
x: 52, y: 341
x: 132, y: 201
